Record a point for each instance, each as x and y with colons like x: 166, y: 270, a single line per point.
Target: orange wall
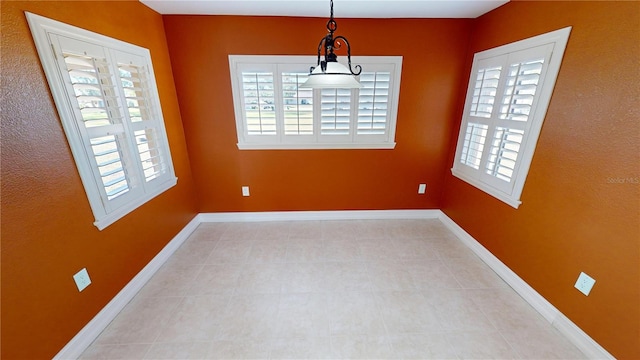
x: 47, y: 230
x: 433, y: 66
x: 575, y: 215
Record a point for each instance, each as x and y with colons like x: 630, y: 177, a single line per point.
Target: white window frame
x: 554, y: 44
x: 279, y: 64
x: 142, y: 184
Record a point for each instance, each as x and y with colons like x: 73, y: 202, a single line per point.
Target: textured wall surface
x: 47, y: 225
x: 434, y: 54
x: 581, y: 203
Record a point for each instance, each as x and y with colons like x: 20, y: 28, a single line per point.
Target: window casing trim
x: 44, y: 31
x: 557, y: 40
x: 283, y: 63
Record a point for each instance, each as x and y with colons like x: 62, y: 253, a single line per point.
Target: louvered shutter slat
x: 335, y: 111
x: 504, y: 152
x: 485, y: 90
x: 106, y: 152
x: 373, y: 103
x: 520, y: 90
x: 150, y: 154
x: 474, y: 144
x: 297, y: 105
x: 258, y: 91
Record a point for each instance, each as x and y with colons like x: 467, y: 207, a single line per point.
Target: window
x: 509, y: 91
x: 273, y: 112
x: 105, y: 93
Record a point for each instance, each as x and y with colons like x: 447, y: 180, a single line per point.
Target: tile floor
x: 374, y: 289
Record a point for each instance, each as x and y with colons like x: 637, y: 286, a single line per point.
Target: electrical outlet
x: 82, y: 279
x: 422, y: 188
x: 245, y: 191
x: 584, y: 283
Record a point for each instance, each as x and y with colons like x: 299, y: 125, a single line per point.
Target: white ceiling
x: 320, y: 8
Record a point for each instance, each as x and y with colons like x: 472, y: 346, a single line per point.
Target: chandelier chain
x: 331, y: 1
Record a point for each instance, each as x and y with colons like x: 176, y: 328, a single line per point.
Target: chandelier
x: 329, y: 73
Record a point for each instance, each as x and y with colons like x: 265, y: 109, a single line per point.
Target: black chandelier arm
x: 358, y: 67
x: 322, y: 41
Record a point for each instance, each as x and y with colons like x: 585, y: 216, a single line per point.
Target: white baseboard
x: 318, y: 215
x: 578, y: 337
x: 90, y: 332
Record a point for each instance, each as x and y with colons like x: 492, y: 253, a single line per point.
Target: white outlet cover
x: 422, y: 188
x: 585, y: 283
x: 245, y: 191
x: 82, y: 279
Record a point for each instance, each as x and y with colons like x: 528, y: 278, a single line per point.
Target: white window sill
x: 511, y: 201
x: 117, y: 214
x: 315, y: 146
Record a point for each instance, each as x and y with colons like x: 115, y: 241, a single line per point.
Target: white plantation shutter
x: 297, y: 104
x: 274, y: 112
x: 259, y: 103
x: 107, y: 99
x: 335, y: 111
x: 473, y: 145
x: 373, y: 103
x: 99, y: 117
x: 151, y: 148
x: 484, y: 92
x: 509, y: 90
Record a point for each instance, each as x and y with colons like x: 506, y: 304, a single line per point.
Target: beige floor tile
x: 272, y: 230
x: 177, y: 351
x: 377, y: 249
x: 240, y: 231
x: 389, y: 275
x: 250, y: 318
x: 413, y: 249
x: 260, y: 279
x: 305, y: 230
x: 140, y: 321
x: 372, y: 229
x: 268, y: 251
x: 480, y: 345
x: 407, y: 312
x: 457, y: 311
x: 345, y: 276
x: 171, y: 280
x: 339, y: 249
x: 196, y: 319
x: 230, y: 251
x: 382, y: 289
x: 192, y: 252
x: 538, y: 340
x: 422, y: 346
x: 339, y: 229
x: 409, y: 228
x: 436, y: 229
x: 505, y: 309
x: 305, y: 250
x: 449, y: 247
x: 431, y: 274
x: 303, y: 316
x: 303, y: 277
x: 239, y: 349
x: 209, y: 231
x: 116, y: 352
x: 354, y: 313
x: 361, y: 347
x: 216, y: 279
x: 302, y: 348
x: 472, y: 273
